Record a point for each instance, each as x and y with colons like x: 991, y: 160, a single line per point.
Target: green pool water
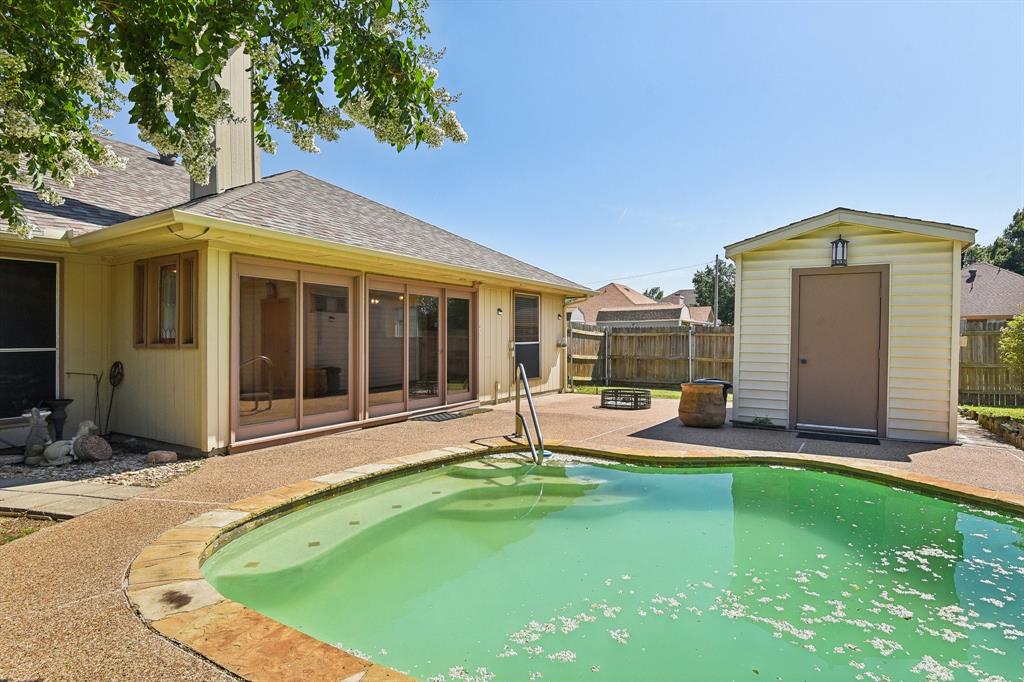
x: 498, y: 570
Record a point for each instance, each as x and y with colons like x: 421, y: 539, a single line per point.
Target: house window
x: 527, y: 333
x: 165, y: 301
x: 29, y: 333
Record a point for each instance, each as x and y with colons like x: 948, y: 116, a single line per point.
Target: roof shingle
x: 994, y: 292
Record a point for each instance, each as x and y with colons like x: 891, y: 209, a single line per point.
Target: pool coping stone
x: 166, y: 588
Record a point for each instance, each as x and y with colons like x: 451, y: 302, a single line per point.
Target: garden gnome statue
x: 38, y: 436
x: 88, y: 446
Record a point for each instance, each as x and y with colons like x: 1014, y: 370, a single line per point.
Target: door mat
x: 448, y: 416
x: 838, y: 438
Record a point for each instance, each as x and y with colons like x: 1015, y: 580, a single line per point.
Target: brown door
x: 839, y: 343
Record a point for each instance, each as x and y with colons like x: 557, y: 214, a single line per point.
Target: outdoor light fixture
x: 840, y: 247
x: 500, y: 311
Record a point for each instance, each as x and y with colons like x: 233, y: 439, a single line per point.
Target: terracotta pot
x: 701, y: 405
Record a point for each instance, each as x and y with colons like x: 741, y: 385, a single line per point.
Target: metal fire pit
x: 626, y: 398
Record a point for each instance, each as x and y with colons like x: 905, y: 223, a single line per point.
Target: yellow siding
x: 161, y: 396
x: 922, y: 280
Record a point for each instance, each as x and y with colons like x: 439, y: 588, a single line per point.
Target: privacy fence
x: 984, y: 378
x: 649, y: 356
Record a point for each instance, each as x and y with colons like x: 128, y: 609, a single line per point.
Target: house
x: 848, y: 321
x: 988, y: 292
x: 687, y: 297
x: 703, y: 314
x: 618, y: 305
x: 252, y: 309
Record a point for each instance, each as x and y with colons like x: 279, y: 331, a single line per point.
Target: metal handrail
x: 523, y: 380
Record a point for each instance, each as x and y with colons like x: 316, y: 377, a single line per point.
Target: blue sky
x: 612, y: 139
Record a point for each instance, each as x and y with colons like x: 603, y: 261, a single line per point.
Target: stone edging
x: 1003, y: 428
x: 167, y: 590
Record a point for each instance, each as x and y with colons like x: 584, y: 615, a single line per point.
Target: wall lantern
x: 500, y: 311
x: 840, y: 247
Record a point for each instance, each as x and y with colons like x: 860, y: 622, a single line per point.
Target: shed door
x: 839, y: 351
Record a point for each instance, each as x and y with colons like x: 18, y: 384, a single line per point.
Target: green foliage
x: 704, y: 287
x: 1007, y: 251
x: 1014, y: 413
x: 975, y: 253
x: 657, y: 293
x: 1011, y: 348
x: 66, y: 65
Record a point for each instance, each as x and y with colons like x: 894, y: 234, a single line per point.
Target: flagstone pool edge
x: 165, y: 587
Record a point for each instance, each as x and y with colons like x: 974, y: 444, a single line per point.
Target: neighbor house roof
x: 701, y: 313
x: 687, y: 297
x: 612, y: 295
x: 291, y: 203
x: 991, y: 293
x: 642, y: 313
x: 848, y: 215
x: 112, y: 195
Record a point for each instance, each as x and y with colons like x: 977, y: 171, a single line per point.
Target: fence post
x: 689, y: 353
x: 607, y: 355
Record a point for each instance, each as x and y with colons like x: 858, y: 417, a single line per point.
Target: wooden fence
x: 984, y: 379
x: 649, y: 356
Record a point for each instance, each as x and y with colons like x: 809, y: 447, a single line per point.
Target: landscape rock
x: 92, y: 448
x: 161, y: 457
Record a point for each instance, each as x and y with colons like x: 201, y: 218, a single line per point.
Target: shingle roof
x: 687, y: 297
x: 296, y: 203
x: 112, y: 196
x: 995, y: 292
x: 612, y: 295
x: 291, y: 202
x: 701, y: 313
x: 641, y: 313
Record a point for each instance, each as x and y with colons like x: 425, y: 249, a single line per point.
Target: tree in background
x: 1011, y: 347
x: 67, y: 65
x: 657, y: 293
x: 704, y: 287
x: 1007, y: 251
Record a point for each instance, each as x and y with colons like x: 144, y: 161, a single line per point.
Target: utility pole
x: 716, y: 290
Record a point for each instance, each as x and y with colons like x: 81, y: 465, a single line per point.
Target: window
x: 165, y: 301
x: 29, y: 333
x: 527, y: 333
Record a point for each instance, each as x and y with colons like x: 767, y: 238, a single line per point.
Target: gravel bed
x: 121, y: 469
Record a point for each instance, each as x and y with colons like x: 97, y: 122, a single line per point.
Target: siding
x: 922, y: 279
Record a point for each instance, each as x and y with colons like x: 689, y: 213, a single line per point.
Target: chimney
x: 238, y: 159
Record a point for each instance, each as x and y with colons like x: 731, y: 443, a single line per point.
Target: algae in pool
x: 502, y: 570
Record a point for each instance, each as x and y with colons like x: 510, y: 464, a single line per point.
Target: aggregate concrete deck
x: 63, y: 614
x: 61, y: 499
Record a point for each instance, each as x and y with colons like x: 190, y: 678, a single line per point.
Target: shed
x: 864, y: 345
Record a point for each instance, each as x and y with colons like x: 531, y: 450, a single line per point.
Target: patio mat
x: 839, y: 438
x: 448, y: 416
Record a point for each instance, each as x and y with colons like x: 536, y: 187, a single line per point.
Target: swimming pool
x: 496, y: 569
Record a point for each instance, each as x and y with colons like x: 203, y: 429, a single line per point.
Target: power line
x: 648, y: 274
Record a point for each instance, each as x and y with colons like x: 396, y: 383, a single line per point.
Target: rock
x: 161, y: 457
x: 87, y: 428
x: 92, y: 448
x: 56, y: 454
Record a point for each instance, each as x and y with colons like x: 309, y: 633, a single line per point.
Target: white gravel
x: 122, y: 469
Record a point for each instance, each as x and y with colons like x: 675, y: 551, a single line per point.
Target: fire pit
x: 626, y: 398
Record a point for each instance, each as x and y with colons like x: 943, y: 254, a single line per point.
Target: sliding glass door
x: 386, y: 350
x: 293, y: 347
x: 458, y: 348
x: 424, y: 380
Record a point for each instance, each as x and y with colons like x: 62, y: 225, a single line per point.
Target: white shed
x: 863, y: 341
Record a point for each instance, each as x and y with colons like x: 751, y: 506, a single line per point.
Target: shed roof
x: 641, y: 313
x: 993, y: 292
x: 848, y: 215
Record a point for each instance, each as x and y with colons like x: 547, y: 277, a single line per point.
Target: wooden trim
x: 954, y: 344
x: 883, y: 333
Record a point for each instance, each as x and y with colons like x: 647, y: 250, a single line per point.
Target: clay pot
x: 701, y: 405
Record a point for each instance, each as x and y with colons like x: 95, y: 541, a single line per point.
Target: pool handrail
x: 521, y: 427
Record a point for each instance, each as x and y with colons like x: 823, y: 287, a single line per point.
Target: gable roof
x: 701, y: 313
x: 612, y: 295
x: 292, y: 202
x: 687, y: 297
x: 848, y: 215
x: 112, y: 195
x: 993, y: 293
x: 296, y: 203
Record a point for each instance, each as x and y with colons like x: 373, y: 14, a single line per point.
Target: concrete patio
x: 63, y: 614
x: 61, y: 499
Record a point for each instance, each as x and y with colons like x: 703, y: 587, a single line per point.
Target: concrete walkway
x: 63, y: 615
x: 61, y: 499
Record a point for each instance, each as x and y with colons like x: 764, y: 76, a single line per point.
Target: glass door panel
x: 266, y: 356
x: 326, y: 338
x: 386, y: 352
x: 458, y: 349
x: 424, y: 382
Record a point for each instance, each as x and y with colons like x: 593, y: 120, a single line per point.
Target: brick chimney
x: 238, y: 158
